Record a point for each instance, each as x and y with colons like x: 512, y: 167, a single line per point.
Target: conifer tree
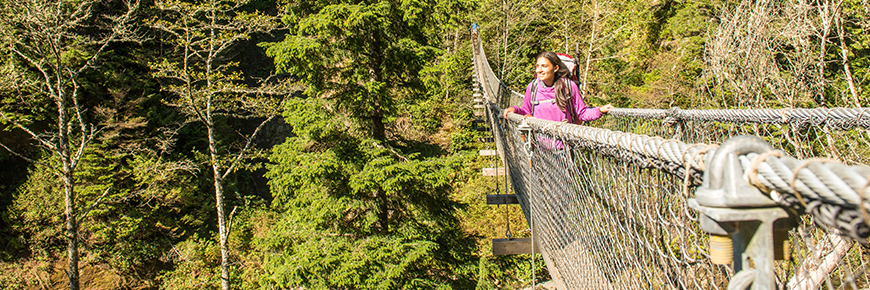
x: 364, y: 209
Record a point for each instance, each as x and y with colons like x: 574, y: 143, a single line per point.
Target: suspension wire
x: 526, y: 138
x: 507, y: 233
x: 832, y: 118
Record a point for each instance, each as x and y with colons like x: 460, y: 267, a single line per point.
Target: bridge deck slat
x: 498, y: 171
x: 513, y: 246
x: 501, y: 199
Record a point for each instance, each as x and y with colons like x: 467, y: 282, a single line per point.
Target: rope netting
x: 608, y: 203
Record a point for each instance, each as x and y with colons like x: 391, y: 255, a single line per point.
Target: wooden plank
x: 476, y: 95
x: 513, y: 246
x: 478, y: 100
x: 502, y: 199
x: 478, y: 106
x: 488, y: 152
x: 485, y: 140
x: 498, y: 171
x: 475, y: 89
x: 479, y: 113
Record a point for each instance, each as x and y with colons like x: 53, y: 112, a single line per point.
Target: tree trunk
x: 583, y: 85
x: 566, y: 31
x: 820, y: 263
x: 825, y: 16
x: 219, y: 204
x: 376, y: 56
x: 384, y: 211
x: 223, y: 234
x: 379, y: 131
x: 72, y: 231
x: 844, y: 51
x: 506, y: 28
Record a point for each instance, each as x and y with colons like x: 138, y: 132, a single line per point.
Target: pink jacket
x: 550, y: 111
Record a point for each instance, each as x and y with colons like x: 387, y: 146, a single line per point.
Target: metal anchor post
x: 731, y: 207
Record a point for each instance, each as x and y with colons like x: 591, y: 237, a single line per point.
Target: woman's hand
x: 508, y: 110
x: 605, y: 108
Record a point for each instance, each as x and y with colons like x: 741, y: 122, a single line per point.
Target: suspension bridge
x: 689, y: 199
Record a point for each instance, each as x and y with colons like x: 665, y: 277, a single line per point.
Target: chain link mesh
x: 822, y: 249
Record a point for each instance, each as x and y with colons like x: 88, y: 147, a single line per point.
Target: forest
x: 300, y: 144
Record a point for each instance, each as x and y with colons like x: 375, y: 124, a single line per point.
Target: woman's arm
x: 581, y: 111
x: 527, y: 103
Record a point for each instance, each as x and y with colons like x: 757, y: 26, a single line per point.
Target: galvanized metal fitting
x: 724, y: 185
x: 525, y: 130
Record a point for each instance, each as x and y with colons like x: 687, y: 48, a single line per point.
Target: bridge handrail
x: 834, y: 193
x: 834, y: 118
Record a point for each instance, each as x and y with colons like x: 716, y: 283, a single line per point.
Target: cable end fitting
x: 724, y: 186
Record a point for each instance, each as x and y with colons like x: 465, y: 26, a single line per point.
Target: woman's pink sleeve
x: 582, y: 112
x: 527, y: 102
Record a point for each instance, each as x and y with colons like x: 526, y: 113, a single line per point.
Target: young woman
x: 556, y: 98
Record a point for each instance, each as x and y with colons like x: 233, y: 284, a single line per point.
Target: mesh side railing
x: 616, y: 217
x: 632, y: 214
x: 839, y: 134
x: 599, y: 224
x: 606, y: 223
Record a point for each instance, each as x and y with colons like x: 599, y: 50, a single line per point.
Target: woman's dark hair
x: 560, y: 86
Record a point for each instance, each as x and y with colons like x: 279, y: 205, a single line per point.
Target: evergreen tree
x: 363, y: 207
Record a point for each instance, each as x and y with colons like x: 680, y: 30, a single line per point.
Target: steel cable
x: 835, y: 118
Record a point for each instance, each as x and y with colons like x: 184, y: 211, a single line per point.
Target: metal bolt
x: 781, y: 246
x: 721, y: 249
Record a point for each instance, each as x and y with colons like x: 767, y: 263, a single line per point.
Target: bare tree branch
x: 13, y: 152
x: 844, y: 52
x: 32, y: 134
x: 248, y: 144
x: 91, y: 207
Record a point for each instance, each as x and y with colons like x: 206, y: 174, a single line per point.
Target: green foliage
x: 365, y: 57
x: 37, y: 213
x: 324, y: 262
x: 374, y: 214
x: 137, y: 207
x: 133, y: 228
x: 377, y: 186
x: 360, y: 209
x: 197, y: 265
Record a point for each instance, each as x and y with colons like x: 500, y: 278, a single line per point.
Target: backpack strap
x: 569, y: 108
x: 534, y: 97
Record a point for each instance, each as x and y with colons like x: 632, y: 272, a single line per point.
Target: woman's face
x: 546, y: 71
